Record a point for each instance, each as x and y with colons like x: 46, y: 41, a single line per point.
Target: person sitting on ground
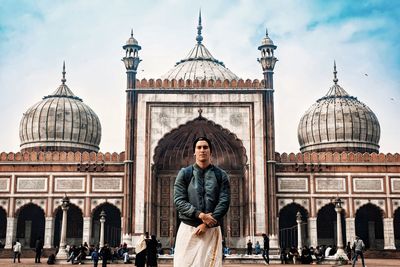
x: 319, y: 256
x: 293, y: 254
x: 328, y: 251
x: 257, y: 248
x: 284, y: 256
x: 52, y: 259
x: 333, y: 250
x: 306, y: 256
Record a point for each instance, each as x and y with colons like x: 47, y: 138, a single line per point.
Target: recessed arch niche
x: 175, y: 151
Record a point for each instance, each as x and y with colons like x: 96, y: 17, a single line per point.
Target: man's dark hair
x: 202, y: 138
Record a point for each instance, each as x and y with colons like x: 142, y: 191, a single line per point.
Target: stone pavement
x: 368, y: 262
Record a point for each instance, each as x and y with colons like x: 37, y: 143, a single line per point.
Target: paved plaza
x: 368, y: 262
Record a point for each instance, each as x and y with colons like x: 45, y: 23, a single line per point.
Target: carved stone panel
x: 107, y: 184
x: 165, y: 206
x: 4, y: 184
x: 292, y: 184
x: 330, y: 184
x: 395, y: 185
x: 32, y: 184
x: 368, y: 185
x: 69, y: 184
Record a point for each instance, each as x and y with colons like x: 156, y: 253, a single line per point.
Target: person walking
x: 38, y: 250
x: 358, y: 247
x: 265, y: 253
x: 95, y: 256
x: 17, y: 248
x: 202, y: 198
x: 105, y: 254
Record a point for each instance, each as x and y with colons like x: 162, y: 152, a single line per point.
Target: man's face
x: 202, y: 151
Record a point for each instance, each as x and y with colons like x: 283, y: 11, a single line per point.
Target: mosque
x: 338, y: 180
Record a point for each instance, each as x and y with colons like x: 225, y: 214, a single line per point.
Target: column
x: 102, y: 221
x: 11, y: 231
x: 312, y: 230
x: 350, y: 229
x: 299, y: 235
x: 340, y: 254
x: 87, y: 230
x: 48, y: 232
x: 62, y: 252
x: 388, y: 233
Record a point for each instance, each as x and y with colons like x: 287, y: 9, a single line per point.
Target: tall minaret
x: 268, y: 61
x: 131, y: 61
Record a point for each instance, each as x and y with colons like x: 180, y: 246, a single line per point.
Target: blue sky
x: 362, y: 36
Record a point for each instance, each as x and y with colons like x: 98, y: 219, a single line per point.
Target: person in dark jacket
x: 202, y: 198
x: 105, y: 254
x: 265, y: 253
x: 38, y: 250
x: 249, y: 248
x: 151, y: 250
x: 95, y: 257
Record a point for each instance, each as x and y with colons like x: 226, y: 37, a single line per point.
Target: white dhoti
x: 198, y: 251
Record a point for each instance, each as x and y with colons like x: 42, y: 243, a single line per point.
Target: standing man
x: 38, y: 249
x: 358, y: 247
x: 17, y: 251
x: 202, y: 198
x: 266, y: 248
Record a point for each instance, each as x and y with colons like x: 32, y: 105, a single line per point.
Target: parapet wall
x: 62, y: 157
x: 344, y: 157
x: 182, y: 84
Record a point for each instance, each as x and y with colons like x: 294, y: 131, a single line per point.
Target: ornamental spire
x: 63, y: 80
x: 199, y: 38
x: 335, y: 79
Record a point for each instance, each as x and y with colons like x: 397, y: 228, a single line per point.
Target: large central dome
x: 339, y: 122
x: 200, y: 64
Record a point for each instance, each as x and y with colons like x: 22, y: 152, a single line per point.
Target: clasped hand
x: 208, y: 219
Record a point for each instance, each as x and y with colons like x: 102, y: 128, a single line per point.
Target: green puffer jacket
x: 205, y: 193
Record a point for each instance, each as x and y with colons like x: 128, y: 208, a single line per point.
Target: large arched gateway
x: 175, y: 151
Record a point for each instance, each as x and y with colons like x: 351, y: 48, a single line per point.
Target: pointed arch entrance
x: 74, y: 225
x: 327, y: 225
x: 173, y: 152
x: 369, y: 226
x: 3, y: 225
x: 288, y: 225
x: 30, y: 225
x: 112, y: 225
x: 396, y: 226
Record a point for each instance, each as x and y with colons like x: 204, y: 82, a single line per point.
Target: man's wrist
x: 199, y: 214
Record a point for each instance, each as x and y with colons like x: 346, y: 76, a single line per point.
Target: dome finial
x: 335, y: 79
x: 266, y: 31
x: 199, y: 38
x: 132, y: 33
x: 63, y: 80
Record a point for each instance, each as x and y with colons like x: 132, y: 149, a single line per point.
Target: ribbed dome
x: 200, y: 64
x: 60, y: 122
x: 339, y: 122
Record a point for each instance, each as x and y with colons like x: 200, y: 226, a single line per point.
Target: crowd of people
x: 77, y: 254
